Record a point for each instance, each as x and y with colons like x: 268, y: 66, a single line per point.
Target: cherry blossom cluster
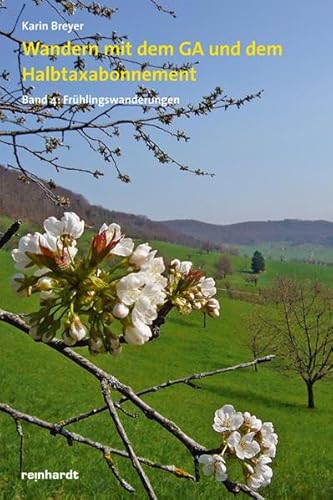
x: 246, y: 438
x: 111, y: 295
x: 191, y: 290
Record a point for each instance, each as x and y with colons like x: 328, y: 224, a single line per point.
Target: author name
x: 52, y: 26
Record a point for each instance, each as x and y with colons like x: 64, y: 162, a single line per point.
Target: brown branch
x: 160, y: 8
x: 112, y: 383
x: 109, y: 460
x: 105, y: 386
x: 185, y: 380
x: 198, y: 376
x: 19, y: 431
x: 11, y: 231
x: 58, y: 430
x: 237, y: 488
x: 115, y: 384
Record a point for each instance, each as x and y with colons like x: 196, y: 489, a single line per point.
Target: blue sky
x: 272, y: 159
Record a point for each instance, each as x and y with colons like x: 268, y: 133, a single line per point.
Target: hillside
x: 291, y: 231
x: 32, y: 206
x: 27, y: 202
x: 184, y: 347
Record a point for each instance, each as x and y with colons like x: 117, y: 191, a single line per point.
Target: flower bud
x: 68, y: 340
x: 77, y: 330
x: 48, y: 336
x: 120, y: 311
x: 116, y: 347
x: 96, y: 345
x: 34, y: 332
x: 175, y: 263
x: 45, y: 284
x: 213, y: 308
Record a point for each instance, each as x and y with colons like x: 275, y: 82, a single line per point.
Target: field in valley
x: 37, y: 380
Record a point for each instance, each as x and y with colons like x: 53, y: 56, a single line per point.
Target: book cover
x: 166, y: 249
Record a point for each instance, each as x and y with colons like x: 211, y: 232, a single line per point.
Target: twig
x: 19, y: 431
x: 56, y: 429
x: 164, y: 385
x: 237, y: 488
x: 198, y: 376
x: 109, y: 382
x: 10, y: 232
x: 109, y: 460
x: 105, y: 386
x: 92, y: 413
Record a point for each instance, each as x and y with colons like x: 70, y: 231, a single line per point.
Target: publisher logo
x: 47, y: 475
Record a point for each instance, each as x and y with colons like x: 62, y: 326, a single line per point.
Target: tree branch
x: 128, y: 445
x: 108, y: 380
x: 57, y: 430
x: 11, y: 231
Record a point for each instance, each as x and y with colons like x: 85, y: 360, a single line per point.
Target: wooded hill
x: 292, y: 231
x: 26, y: 201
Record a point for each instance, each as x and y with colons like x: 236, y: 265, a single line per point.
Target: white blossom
x: 50, y: 242
x: 138, y: 334
x: 140, y: 254
x: 268, y: 439
x: 155, y: 292
x: 153, y: 265
x: 214, y: 464
x: 243, y: 446
x: 153, y: 269
x: 144, y: 311
x: 184, y: 267
x: 124, y: 248
x: 227, y: 419
x: 129, y: 288
x: 252, y: 422
x: 70, y: 224
x: 120, y: 311
x: 207, y: 286
x: 132, y: 298
x: 28, y: 243
x: 262, y: 473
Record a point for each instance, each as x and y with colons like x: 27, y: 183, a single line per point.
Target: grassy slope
x: 36, y: 380
x: 273, y: 250
x: 242, y: 266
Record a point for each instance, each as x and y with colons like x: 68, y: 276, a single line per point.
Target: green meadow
x: 36, y: 380
x: 289, y: 251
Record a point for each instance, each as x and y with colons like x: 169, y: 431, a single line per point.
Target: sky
x: 272, y: 158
